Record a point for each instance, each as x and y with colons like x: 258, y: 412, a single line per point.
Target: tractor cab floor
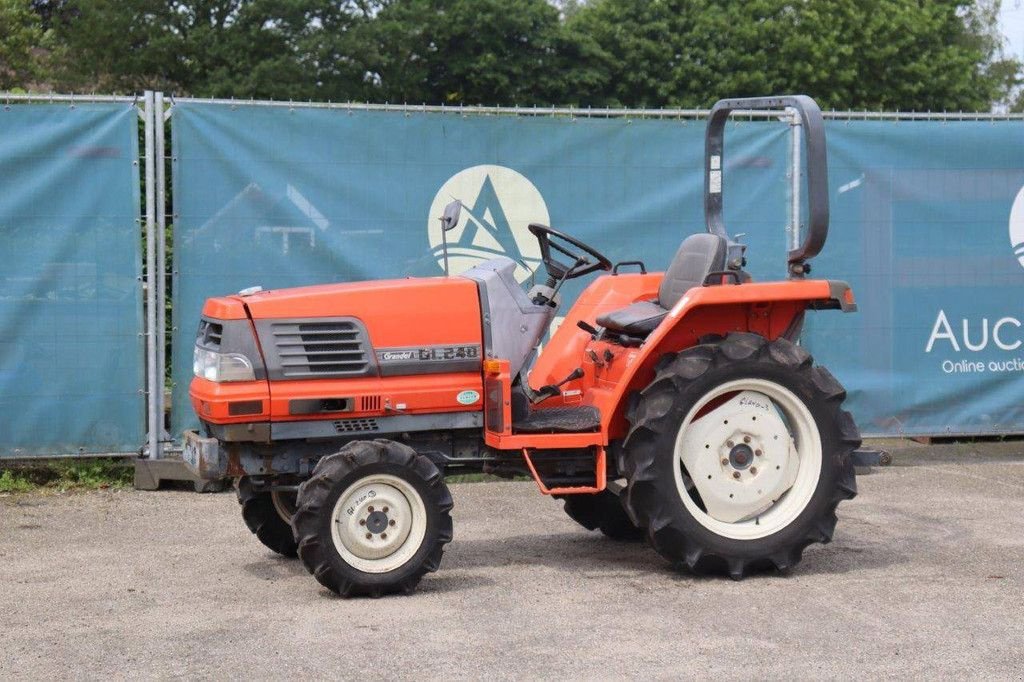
x: 581, y: 419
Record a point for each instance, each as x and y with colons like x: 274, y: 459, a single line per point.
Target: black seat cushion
x: 698, y: 256
x: 636, y: 319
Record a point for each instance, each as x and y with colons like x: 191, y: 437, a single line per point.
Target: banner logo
x: 1017, y: 226
x: 498, y: 204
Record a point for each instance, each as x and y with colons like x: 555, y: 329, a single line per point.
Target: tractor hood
x: 412, y: 312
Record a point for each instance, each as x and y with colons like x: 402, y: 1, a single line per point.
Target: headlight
x: 221, y: 367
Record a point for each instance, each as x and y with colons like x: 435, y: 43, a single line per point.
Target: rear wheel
x: 603, y: 511
x: 268, y: 515
x: 373, y: 519
x: 738, y: 454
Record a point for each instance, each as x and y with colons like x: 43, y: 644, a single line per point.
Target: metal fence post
x: 153, y: 386
x: 157, y: 467
x: 161, y: 262
x: 794, y: 179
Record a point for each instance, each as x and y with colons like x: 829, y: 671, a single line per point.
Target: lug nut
x: 725, y: 461
x: 728, y: 443
x: 757, y: 452
x: 369, y: 535
x: 753, y: 471
x: 385, y: 510
x: 370, y: 508
x: 746, y: 439
x: 391, y: 522
x: 362, y: 522
x: 383, y: 536
x: 735, y: 474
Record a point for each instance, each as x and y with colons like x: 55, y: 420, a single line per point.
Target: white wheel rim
x: 378, y: 523
x: 284, y: 504
x: 754, y: 460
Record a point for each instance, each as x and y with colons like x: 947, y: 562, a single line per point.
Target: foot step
x: 574, y: 470
x: 572, y: 419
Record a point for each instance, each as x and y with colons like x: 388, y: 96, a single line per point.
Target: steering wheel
x: 581, y: 264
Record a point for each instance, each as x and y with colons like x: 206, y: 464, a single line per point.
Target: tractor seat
x: 697, y: 257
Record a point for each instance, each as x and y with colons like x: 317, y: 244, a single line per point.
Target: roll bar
x: 817, y: 172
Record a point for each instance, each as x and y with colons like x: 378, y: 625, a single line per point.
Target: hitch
x: 869, y: 457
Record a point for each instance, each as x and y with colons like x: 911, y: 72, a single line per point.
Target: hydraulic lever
x: 551, y: 390
x: 588, y: 328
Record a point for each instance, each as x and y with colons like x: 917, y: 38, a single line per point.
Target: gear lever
x: 551, y: 390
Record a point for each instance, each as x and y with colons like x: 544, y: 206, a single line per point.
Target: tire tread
x: 638, y: 458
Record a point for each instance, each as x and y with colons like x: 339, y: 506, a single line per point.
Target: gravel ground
x: 923, y: 579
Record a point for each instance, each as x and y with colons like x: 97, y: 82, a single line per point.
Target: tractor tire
x: 268, y: 516
x: 603, y: 511
x: 693, y: 479
x: 354, y: 500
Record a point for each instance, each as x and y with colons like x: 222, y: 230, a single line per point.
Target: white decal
x: 498, y: 204
x: 307, y: 208
x: 397, y: 355
x: 947, y: 333
x: 995, y: 333
x: 715, y: 182
x: 984, y: 336
x: 467, y: 397
x: 1017, y: 226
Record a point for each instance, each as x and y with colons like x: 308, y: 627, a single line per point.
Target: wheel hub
x: 740, y: 456
x: 373, y: 520
x: 377, y: 522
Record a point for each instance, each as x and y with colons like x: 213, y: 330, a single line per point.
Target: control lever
x: 582, y: 324
x: 551, y: 390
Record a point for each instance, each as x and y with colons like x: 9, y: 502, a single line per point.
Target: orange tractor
x: 676, y: 406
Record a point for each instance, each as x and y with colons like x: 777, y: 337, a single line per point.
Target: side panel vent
x: 369, y: 403
x: 356, y: 425
x: 316, y: 348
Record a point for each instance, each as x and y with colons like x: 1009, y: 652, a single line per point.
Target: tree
x: 873, y: 54
x: 478, y: 52
x: 21, y: 41
x: 282, y: 49
x: 869, y: 54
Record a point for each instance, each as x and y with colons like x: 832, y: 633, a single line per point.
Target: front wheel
x: 373, y: 519
x: 268, y: 515
x: 738, y: 454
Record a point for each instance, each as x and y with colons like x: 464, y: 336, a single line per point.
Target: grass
x: 98, y: 474
x: 482, y: 478
x: 61, y: 475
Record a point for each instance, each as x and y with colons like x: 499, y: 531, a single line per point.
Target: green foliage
x: 282, y: 49
x: 14, y: 482
x: 21, y: 38
x: 873, y: 54
x: 79, y: 474
x: 499, y: 52
x: 483, y: 478
x: 869, y: 54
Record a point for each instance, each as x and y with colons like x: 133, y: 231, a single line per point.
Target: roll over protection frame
x: 817, y: 172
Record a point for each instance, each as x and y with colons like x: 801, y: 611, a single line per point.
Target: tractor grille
x: 209, y: 334
x: 356, y: 425
x: 334, y: 348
